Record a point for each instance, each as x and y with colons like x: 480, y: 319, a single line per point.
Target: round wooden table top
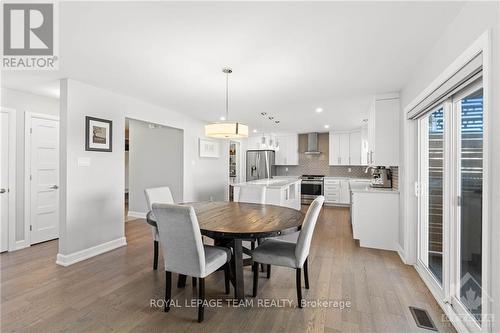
x: 223, y: 219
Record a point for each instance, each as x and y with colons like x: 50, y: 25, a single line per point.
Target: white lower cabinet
x: 336, y: 191
x: 374, y: 219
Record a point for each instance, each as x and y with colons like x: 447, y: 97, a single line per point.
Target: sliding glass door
x: 451, y: 203
x: 432, y: 190
x: 469, y: 294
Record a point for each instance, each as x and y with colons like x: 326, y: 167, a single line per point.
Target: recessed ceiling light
x: 255, y: 131
x: 319, y: 110
x: 327, y: 126
x: 222, y: 118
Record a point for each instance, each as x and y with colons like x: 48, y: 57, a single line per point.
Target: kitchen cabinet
x: 364, y: 144
x: 339, y: 148
x: 336, y: 191
x: 374, y: 219
x: 288, y: 153
x: 355, y: 148
x: 254, y: 142
x: 345, y: 148
x: 383, y: 131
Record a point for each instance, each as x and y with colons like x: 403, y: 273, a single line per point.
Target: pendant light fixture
x: 227, y: 129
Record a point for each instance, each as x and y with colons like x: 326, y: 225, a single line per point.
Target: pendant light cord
x: 227, y: 96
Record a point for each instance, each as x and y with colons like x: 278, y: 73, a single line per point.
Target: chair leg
x: 255, y: 278
x: 259, y: 241
x: 181, y: 282
x: 168, y: 290
x: 306, y: 275
x: 201, y: 299
x: 268, y: 271
x: 193, y: 281
x: 298, y: 274
x: 227, y: 278
x: 155, y: 255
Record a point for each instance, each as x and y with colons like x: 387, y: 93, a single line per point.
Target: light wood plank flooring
x: 112, y: 292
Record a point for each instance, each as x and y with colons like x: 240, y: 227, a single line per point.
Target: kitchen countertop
x: 271, y: 183
x: 365, y: 187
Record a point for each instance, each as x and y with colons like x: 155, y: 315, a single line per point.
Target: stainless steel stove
x: 311, y: 188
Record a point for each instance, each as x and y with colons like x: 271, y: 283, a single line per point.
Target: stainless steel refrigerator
x: 260, y: 164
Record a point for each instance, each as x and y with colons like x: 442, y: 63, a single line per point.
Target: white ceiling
x: 288, y: 58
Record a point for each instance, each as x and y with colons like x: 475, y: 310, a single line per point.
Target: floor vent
x: 422, y: 318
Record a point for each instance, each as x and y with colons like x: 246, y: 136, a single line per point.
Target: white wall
x: 156, y: 159
x: 23, y: 102
x: 92, y: 198
x: 470, y: 23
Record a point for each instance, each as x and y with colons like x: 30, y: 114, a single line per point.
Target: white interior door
x: 4, y: 181
x: 43, y: 196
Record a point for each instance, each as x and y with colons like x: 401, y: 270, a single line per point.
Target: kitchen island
x: 279, y: 191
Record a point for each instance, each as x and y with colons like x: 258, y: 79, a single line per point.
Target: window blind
x: 469, y: 73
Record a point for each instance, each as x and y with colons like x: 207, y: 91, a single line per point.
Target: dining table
x: 231, y: 223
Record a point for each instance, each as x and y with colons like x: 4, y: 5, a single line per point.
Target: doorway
x: 7, y: 179
x: 42, y: 177
x: 154, y: 157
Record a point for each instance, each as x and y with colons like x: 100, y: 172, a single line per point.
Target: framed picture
x: 209, y: 148
x: 98, y: 134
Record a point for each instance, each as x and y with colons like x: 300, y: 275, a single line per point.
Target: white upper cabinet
x: 345, y: 148
x: 288, y: 153
x: 364, y: 145
x: 253, y: 142
x: 383, y: 131
x: 355, y: 148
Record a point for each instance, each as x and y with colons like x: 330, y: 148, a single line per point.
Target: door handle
x: 54, y: 187
x: 2, y: 190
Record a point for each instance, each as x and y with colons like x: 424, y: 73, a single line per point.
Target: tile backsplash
x: 319, y: 164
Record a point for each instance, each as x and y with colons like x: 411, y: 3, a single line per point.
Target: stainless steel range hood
x: 312, y: 144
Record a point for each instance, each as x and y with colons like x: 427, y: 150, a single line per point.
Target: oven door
x: 311, y: 188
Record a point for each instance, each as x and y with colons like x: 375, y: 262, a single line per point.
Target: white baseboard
x: 73, y: 258
x: 18, y: 245
x: 139, y: 215
x: 402, y: 255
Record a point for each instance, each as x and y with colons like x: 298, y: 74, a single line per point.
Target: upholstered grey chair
x: 184, y: 252
x: 157, y: 195
x: 288, y: 254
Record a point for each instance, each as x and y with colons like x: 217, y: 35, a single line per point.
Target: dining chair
x: 157, y: 195
x: 184, y: 252
x: 252, y: 194
x: 289, y: 254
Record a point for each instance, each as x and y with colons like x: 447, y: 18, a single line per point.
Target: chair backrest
x: 180, y: 239
x: 252, y: 194
x: 306, y: 233
x: 158, y: 195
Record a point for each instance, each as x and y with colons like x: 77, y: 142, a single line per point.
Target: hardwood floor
x: 112, y: 292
